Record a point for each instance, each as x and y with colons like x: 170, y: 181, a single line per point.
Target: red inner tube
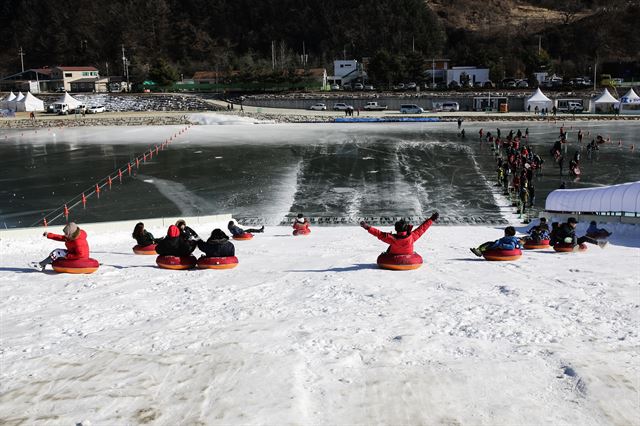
x: 400, y: 259
x: 243, y: 236
x: 76, y: 263
x: 149, y: 247
x: 227, y: 260
x: 502, y: 252
x: 303, y: 231
x: 177, y: 261
x: 536, y: 243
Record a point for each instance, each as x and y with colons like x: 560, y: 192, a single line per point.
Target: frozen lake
x: 269, y: 171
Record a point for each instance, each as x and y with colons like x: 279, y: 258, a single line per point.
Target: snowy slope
x: 306, y: 330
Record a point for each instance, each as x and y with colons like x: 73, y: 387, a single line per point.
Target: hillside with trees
x: 268, y: 37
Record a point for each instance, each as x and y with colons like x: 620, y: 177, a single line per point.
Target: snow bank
x: 306, y: 330
x: 224, y: 119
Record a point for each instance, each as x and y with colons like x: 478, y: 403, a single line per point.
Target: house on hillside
x: 473, y: 74
x: 346, y: 72
x: 79, y: 79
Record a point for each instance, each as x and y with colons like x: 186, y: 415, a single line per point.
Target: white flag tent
x: 30, y: 103
x: 630, y: 103
x: 538, y: 99
x: 605, y: 103
x: 69, y: 100
x: 623, y: 198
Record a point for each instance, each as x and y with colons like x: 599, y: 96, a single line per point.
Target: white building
x: 476, y: 75
x: 345, y: 72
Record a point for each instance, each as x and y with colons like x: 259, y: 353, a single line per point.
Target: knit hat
x: 71, y: 230
x: 173, y: 232
x: 572, y: 220
x: 181, y: 222
x: 218, y: 234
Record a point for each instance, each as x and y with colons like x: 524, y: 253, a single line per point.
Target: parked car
x: 488, y: 84
x: 318, y: 107
x: 411, y: 86
x: 400, y: 86
x: 369, y: 87
x: 522, y: 84
x: 347, y: 86
x: 341, y: 106
x: 454, y: 85
x: 358, y: 86
x: 335, y: 87
x: 95, y: 109
x: 374, y: 106
x: 509, y: 83
x: 450, y: 106
x: 410, y: 109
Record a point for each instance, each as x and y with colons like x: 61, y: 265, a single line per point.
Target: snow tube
x: 148, y: 249
x: 533, y: 245
x: 242, y: 237
x: 599, y: 235
x: 226, y: 262
x: 568, y: 247
x: 303, y: 231
x: 175, y: 262
x: 502, y: 255
x: 399, y: 262
x: 75, y: 266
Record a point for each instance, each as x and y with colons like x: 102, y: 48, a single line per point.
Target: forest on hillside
x: 269, y: 36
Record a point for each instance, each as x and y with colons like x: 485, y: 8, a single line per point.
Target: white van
x: 450, y: 106
x: 410, y: 109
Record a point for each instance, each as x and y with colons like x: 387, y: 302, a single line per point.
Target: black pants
x: 586, y: 239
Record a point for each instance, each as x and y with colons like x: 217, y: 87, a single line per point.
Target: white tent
x: 30, y: 103
x: 4, y: 104
x: 605, y: 102
x: 630, y: 103
x: 13, y: 105
x: 616, y: 198
x: 69, y: 100
x: 538, y: 99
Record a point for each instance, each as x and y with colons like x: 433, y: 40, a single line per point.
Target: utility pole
x: 125, y: 65
x: 413, y: 44
x: 273, y: 55
x: 21, y: 53
x: 539, y: 44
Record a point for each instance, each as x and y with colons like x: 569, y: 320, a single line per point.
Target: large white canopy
x: 538, y: 99
x: 30, y: 103
x: 606, y: 98
x: 630, y: 98
x: 69, y: 100
x: 616, y: 198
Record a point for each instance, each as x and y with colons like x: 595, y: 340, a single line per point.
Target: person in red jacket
x: 301, y: 225
x: 75, y: 239
x: 402, y: 241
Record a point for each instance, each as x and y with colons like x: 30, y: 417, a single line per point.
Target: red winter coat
x: 301, y: 226
x: 401, y: 243
x: 76, y: 249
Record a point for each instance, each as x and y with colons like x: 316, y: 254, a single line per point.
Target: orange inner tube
x: 532, y: 245
x: 146, y: 250
x: 568, y: 247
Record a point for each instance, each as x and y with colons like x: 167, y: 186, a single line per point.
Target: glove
x: 44, y: 234
x: 365, y: 225
x: 434, y: 216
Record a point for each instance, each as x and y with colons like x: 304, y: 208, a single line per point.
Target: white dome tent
x: 538, y: 99
x: 30, y: 103
x: 630, y: 103
x: 619, y: 199
x: 605, y: 102
x: 5, y: 103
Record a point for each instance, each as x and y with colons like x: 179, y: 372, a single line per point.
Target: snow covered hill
x: 306, y: 330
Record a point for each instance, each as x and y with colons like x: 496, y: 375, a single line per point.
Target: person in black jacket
x: 236, y: 230
x: 567, y: 234
x: 174, y: 244
x: 218, y: 245
x: 142, y: 236
x: 186, y: 232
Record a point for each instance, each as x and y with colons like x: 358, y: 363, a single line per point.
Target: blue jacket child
x: 508, y: 242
